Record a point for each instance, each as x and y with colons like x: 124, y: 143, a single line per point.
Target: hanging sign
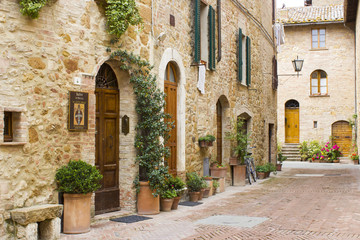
x: 78, y: 111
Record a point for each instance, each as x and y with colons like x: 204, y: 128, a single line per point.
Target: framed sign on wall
x: 78, y: 111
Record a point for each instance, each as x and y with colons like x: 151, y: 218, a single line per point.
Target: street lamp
x: 297, y: 64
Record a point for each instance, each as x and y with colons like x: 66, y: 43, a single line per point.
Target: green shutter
x: 239, y: 56
x: 211, y: 23
x: 248, y: 61
x: 197, y: 31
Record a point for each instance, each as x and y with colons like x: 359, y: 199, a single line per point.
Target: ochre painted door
x: 342, y: 135
x: 219, y: 132
x: 107, y: 198
x: 292, y: 125
x: 170, y: 90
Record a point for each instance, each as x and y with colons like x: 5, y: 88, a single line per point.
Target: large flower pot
x: 194, y: 196
x: 239, y: 175
x: 77, y: 213
x: 175, y: 203
x: 218, y: 172
x: 147, y: 204
x: 278, y: 166
x: 356, y: 162
x: 166, y: 204
x: 206, y: 192
x: 201, y: 193
x: 233, y: 161
x: 261, y: 175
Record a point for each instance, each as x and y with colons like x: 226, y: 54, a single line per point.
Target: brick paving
x: 305, y: 201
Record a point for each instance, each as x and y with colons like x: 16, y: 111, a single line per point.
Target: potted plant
x: 167, y: 196
x: 179, y: 186
x: 208, y: 180
x: 204, y: 186
x: 280, y: 159
x: 261, y: 171
x: 77, y: 180
x: 239, y: 141
x: 194, y: 184
x: 206, y: 141
x: 355, y: 158
x: 218, y: 171
x: 215, y: 186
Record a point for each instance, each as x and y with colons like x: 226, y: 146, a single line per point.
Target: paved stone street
x: 304, y: 201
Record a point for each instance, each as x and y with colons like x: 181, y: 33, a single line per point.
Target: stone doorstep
x: 107, y: 216
x: 38, y: 213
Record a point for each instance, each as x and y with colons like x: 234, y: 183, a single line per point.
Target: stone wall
x: 337, y: 60
x: 357, y: 59
x: 40, y: 59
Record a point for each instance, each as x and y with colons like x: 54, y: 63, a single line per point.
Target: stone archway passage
x: 107, y: 198
x: 342, y: 135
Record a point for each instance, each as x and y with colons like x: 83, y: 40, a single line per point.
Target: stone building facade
x: 324, y: 91
x: 66, y: 48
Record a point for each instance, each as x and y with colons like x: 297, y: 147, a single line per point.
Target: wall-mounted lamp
x: 297, y: 64
x: 160, y: 38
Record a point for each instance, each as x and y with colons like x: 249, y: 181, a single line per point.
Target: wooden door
x: 219, y: 132
x: 170, y: 89
x: 107, y: 198
x: 342, y: 135
x: 292, y: 125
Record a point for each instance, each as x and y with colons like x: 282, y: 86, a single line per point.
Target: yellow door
x: 292, y: 125
x: 342, y: 135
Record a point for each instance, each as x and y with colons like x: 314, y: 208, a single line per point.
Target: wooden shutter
x: 275, y: 75
x: 239, y: 56
x: 197, y: 31
x: 219, y: 29
x: 211, y: 23
x: 248, y: 61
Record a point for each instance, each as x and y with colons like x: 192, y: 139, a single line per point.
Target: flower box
x: 218, y: 172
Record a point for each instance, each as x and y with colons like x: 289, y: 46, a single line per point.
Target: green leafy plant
x: 239, y: 139
x: 215, y: 184
x: 194, y: 182
x: 32, y: 8
x: 204, y: 184
x: 281, y: 157
x: 78, y: 177
x: 268, y: 167
x: 168, y: 194
x: 120, y: 14
x: 177, y: 184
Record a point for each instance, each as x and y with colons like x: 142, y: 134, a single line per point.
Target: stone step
x: 293, y: 159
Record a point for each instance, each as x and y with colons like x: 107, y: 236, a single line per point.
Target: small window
x: 8, y: 127
x: 315, y: 124
x: 170, y: 73
x: 318, y: 83
x: 318, y: 38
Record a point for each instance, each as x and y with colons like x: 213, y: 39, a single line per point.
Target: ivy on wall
x: 120, y: 14
x: 32, y: 8
x: 152, y: 127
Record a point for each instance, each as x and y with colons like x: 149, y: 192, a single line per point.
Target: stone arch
x: 173, y: 56
x: 222, y: 106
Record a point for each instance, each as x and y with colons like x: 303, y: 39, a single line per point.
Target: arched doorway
x: 170, y: 89
x: 341, y: 133
x: 292, y: 127
x: 219, y: 132
x: 107, y: 198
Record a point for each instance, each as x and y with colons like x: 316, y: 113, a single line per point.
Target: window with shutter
x: 211, y: 23
x: 248, y: 61
x: 240, y: 56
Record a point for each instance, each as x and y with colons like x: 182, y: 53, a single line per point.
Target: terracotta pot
x: 239, y: 175
x: 233, y: 161
x: 261, y: 175
x: 356, y: 162
x: 218, y: 172
x: 175, y: 203
x: 209, y: 144
x: 206, y: 192
x: 202, y: 144
x: 214, y: 191
x: 278, y: 166
x: 166, y: 204
x: 267, y: 174
x: 77, y: 213
x: 194, y: 196
x: 210, y: 184
x: 207, y: 178
x: 147, y: 204
x: 201, y: 193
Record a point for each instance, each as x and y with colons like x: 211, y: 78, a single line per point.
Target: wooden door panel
x: 292, y: 125
x: 218, y: 133
x: 342, y: 136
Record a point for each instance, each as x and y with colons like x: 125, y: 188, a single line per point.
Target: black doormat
x: 130, y: 219
x: 190, y: 204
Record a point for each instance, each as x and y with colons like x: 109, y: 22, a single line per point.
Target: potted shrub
x: 218, y: 171
x: 166, y: 199
x: 280, y: 159
x: 261, y: 171
x: 215, y: 186
x: 77, y: 180
x: 194, y: 184
x: 207, y: 191
x: 355, y: 158
x: 179, y: 186
x: 206, y: 141
x: 204, y: 186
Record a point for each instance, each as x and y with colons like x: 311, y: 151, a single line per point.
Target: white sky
x: 289, y: 3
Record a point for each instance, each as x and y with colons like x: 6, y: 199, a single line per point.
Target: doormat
x: 130, y: 219
x: 190, y: 204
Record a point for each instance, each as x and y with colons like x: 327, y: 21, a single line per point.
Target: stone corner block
x: 37, y: 213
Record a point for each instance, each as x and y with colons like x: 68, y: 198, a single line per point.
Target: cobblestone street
x: 304, y: 201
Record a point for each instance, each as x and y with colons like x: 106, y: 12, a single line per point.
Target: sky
x: 289, y: 3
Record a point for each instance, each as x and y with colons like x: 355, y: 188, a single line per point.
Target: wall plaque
x: 78, y: 111
x: 125, y: 124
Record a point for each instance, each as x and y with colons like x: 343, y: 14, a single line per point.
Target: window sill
x: 318, y: 49
x: 12, y: 143
x: 325, y: 95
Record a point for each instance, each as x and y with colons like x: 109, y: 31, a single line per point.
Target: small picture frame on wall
x: 78, y: 111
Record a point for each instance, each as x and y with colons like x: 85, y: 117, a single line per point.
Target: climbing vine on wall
x: 152, y: 128
x: 32, y: 8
